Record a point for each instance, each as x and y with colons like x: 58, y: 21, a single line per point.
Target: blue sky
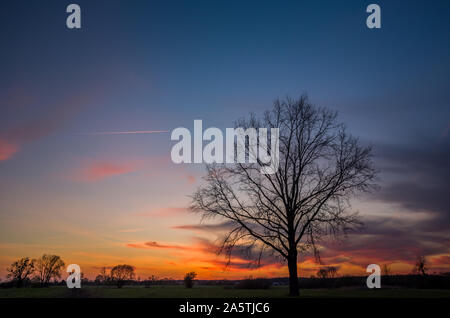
x: 161, y: 64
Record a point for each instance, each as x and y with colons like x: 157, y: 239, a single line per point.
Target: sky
x: 99, y: 199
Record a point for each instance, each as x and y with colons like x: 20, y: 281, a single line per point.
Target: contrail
x: 125, y: 132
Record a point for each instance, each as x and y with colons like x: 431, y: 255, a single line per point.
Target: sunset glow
x: 86, y: 118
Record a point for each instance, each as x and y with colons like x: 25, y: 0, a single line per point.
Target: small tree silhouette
x: 421, y: 266
x: 189, y: 279
x: 121, y: 273
x: 332, y: 272
x: 103, y: 278
x: 153, y: 279
x: 327, y: 272
x: 48, y: 267
x: 20, y: 270
x: 322, y: 273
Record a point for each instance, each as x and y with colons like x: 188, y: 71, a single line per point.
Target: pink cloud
x: 191, y: 179
x: 27, y: 126
x: 199, y: 244
x: 205, y: 251
x: 7, y: 149
x: 166, y: 212
x: 157, y: 245
x: 101, y: 170
x: 441, y: 260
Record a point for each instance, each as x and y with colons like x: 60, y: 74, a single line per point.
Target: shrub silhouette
x: 189, y: 279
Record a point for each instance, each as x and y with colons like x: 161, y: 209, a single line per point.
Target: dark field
x: 214, y: 292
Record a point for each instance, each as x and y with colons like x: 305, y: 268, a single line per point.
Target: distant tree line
x: 119, y: 275
x: 47, y: 270
x: 124, y: 274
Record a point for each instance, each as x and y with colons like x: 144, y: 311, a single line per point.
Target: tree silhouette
x: 121, y: 273
x: 103, y: 278
x: 332, y: 272
x: 327, y: 272
x: 189, y: 279
x: 153, y: 279
x: 48, y: 267
x: 20, y: 270
x: 321, y: 167
x: 322, y: 273
x: 421, y: 266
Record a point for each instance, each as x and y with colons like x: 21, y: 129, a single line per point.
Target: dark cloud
x: 386, y: 240
x: 242, y: 257
x: 214, y: 227
x: 242, y: 264
x: 417, y: 178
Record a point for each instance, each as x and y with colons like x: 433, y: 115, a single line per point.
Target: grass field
x: 214, y: 292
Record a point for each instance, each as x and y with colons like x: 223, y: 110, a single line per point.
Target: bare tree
x: 153, y: 280
x: 421, y: 266
x: 48, y: 267
x: 121, y: 273
x: 20, y: 270
x: 320, y: 168
x: 103, y: 277
x: 332, y: 271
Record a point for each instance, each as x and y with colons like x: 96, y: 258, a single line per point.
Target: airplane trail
x: 125, y: 132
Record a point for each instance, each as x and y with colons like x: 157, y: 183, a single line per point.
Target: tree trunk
x: 293, y: 276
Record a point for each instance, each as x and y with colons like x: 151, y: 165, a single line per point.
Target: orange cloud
x: 7, y: 149
x: 131, y: 230
x: 191, y: 179
x: 441, y: 260
x: 147, y: 245
x: 202, y: 254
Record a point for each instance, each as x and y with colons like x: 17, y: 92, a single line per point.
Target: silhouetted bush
x: 189, y: 279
